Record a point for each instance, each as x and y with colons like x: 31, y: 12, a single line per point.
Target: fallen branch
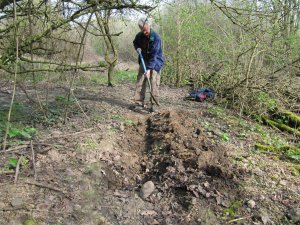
x: 282, y: 149
x: 288, y: 151
x: 7, y: 172
x: 26, y: 146
x: 16, y: 148
x: 281, y: 126
x: 44, y: 186
x: 48, y: 187
x: 293, y: 118
x: 33, y: 160
x: 70, y: 134
x: 18, y: 169
x: 238, y: 219
x: 13, y: 209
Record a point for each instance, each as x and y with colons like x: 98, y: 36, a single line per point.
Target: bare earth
x: 202, y: 164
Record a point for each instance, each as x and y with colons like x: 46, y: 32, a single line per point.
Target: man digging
x: 148, y: 43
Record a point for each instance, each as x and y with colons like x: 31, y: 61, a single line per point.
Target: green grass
x: 118, y: 78
x: 216, y: 111
x: 129, y: 76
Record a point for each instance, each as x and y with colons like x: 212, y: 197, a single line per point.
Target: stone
x: 206, y: 184
x: 17, y: 202
x: 282, y: 182
x: 147, y: 189
x: 122, y: 127
x: 251, y: 203
x: 195, y: 135
x: 265, y: 218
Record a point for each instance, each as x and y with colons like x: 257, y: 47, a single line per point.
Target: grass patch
x: 232, y: 211
x: 118, y: 78
x: 216, y: 111
x: 123, y: 76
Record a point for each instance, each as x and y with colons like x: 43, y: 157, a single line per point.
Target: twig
x: 33, y: 160
x: 7, y: 172
x: 48, y: 187
x: 71, y: 134
x: 80, y: 106
x: 16, y: 148
x: 44, y: 186
x: 238, y: 219
x: 25, y: 146
x: 18, y: 169
x: 13, y: 209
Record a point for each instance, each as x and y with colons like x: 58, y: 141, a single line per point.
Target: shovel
x: 145, y: 71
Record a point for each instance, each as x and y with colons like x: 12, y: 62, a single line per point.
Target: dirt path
x: 199, y: 164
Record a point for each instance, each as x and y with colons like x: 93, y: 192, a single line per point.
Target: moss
x: 30, y: 221
x: 290, y: 152
x: 281, y: 126
x: 293, y: 118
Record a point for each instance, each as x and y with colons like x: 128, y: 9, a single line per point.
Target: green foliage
x: 129, y: 122
x: 25, y: 133
x: 225, y: 137
x: 91, y: 143
x: 117, y: 117
x: 266, y: 102
x: 294, y: 154
x: 30, y: 221
x: 208, y: 126
x: 12, y: 163
x: 297, y: 168
x: 232, y: 210
x: 216, y: 110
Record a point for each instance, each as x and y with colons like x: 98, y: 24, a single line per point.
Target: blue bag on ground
x: 201, y: 94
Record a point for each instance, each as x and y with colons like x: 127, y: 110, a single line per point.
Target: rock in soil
x: 17, y: 202
x: 147, y: 189
x: 251, y: 203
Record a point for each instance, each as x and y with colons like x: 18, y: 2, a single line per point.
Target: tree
x: 111, y: 53
x: 44, y: 30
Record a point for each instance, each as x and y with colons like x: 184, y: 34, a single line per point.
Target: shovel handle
x: 142, y: 60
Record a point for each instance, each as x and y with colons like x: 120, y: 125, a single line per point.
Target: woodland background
x: 247, y: 51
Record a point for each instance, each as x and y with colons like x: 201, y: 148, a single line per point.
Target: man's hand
x: 139, y: 50
x: 147, y: 74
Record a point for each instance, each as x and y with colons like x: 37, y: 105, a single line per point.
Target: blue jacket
x: 151, y: 50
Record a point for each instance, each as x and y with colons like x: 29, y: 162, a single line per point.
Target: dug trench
x: 98, y: 176
x: 190, y: 171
